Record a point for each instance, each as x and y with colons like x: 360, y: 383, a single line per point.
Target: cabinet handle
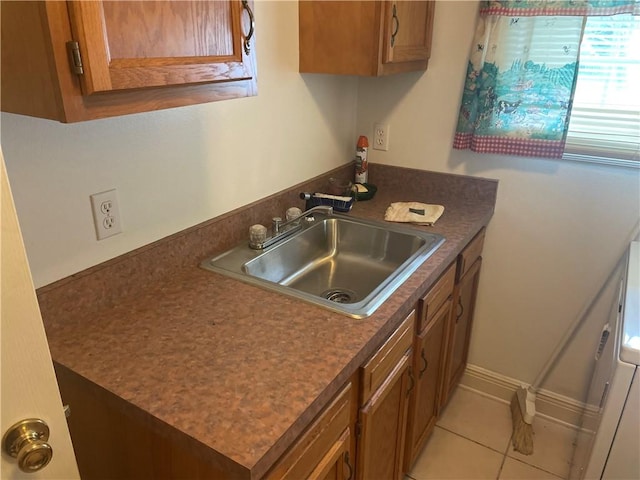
x: 397, y: 22
x: 413, y: 381
x: 346, y: 460
x: 252, y: 25
x: 461, y: 309
x: 425, y: 363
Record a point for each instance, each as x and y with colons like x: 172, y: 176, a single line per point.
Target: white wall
x: 176, y: 168
x: 558, y: 225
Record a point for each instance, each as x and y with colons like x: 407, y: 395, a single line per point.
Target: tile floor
x: 472, y: 440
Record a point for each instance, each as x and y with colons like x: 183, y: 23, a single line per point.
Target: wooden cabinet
x: 373, y: 428
x: 370, y: 38
x: 386, y: 384
x: 114, y: 440
x: 76, y: 60
x: 428, y: 363
x: 460, y: 322
x: 324, y: 451
x: 402, y: 388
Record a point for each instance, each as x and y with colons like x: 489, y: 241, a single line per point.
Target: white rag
x: 413, y: 212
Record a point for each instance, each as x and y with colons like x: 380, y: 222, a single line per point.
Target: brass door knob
x: 27, y: 442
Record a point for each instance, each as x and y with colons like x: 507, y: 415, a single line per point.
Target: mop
x: 523, y: 406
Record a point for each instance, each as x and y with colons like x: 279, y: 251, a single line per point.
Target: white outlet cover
x: 106, y: 214
x: 381, y: 136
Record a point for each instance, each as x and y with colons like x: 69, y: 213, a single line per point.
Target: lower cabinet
x: 429, y: 359
x: 442, y: 344
x: 324, y: 450
x: 460, y: 322
x: 373, y: 429
x: 387, y: 381
x: 399, y: 392
x: 377, y: 409
x: 460, y: 328
x: 337, y: 462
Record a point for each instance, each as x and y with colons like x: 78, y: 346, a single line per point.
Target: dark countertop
x: 209, y: 355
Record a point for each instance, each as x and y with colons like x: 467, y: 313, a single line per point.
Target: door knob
x: 27, y: 442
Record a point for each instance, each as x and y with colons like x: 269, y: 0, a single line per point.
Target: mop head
x: 522, y: 413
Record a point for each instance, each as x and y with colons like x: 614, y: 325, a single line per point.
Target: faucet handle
x: 293, y: 213
x: 275, y: 224
x: 257, y: 235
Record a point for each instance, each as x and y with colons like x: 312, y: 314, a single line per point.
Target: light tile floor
x: 472, y: 440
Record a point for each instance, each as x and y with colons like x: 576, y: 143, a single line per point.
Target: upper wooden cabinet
x: 370, y: 38
x: 78, y: 60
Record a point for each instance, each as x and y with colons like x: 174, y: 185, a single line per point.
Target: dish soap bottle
x: 362, y: 165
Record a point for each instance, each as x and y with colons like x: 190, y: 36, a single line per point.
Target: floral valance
x: 541, y: 8
x: 522, y: 73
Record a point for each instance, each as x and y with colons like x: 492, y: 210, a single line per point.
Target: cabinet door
x: 336, y: 464
x: 324, y: 450
x: 365, y: 37
x: 464, y: 300
x: 428, y: 363
x: 140, y: 44
x: 383, y: 426
x: 407, y: 31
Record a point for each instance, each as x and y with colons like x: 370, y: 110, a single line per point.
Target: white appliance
x: 608, y: 443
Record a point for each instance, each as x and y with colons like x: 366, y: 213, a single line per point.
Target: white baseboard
x: 548, y: 404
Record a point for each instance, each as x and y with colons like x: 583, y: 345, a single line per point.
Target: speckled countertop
x: 238, y: 369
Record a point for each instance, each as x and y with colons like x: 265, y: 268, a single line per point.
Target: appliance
x: 608, y: 442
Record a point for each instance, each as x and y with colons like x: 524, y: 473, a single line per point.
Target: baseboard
x: 548, y: 404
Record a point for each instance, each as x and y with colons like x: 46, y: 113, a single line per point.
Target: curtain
x: 522, y: 72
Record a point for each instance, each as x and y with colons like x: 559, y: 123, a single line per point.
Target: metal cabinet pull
x: 346, y: 460
x: 425, y: 363
x: 27, y: 442
x: 397, y: 22
x: 252, y: 25
x: 459, y: 315
x: 413, y: 381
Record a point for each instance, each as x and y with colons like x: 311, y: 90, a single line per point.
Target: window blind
x: 605, y: 117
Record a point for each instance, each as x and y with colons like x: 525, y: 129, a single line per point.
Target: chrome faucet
x: 280, y: 232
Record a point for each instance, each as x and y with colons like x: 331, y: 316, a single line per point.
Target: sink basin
x: 342, y: 263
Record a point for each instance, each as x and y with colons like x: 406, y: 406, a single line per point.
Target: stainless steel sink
x: 342, y: 263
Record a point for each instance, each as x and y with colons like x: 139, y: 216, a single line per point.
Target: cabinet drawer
x: 312, y: 450
x: 436, y: 296
x: 470, y: 254
x: 376, y: 370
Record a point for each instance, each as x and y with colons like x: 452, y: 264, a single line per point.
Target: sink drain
x: 340, y: 295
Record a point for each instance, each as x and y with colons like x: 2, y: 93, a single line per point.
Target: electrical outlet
x: 381, y: 136
x: 106, y: 215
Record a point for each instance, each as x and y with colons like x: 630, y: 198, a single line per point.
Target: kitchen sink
x: 342, y: 263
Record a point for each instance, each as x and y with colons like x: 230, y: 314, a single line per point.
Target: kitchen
x: 557, y: 225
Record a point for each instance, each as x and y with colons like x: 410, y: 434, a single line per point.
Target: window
x: 526, y: 61
x: 605, y: 117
